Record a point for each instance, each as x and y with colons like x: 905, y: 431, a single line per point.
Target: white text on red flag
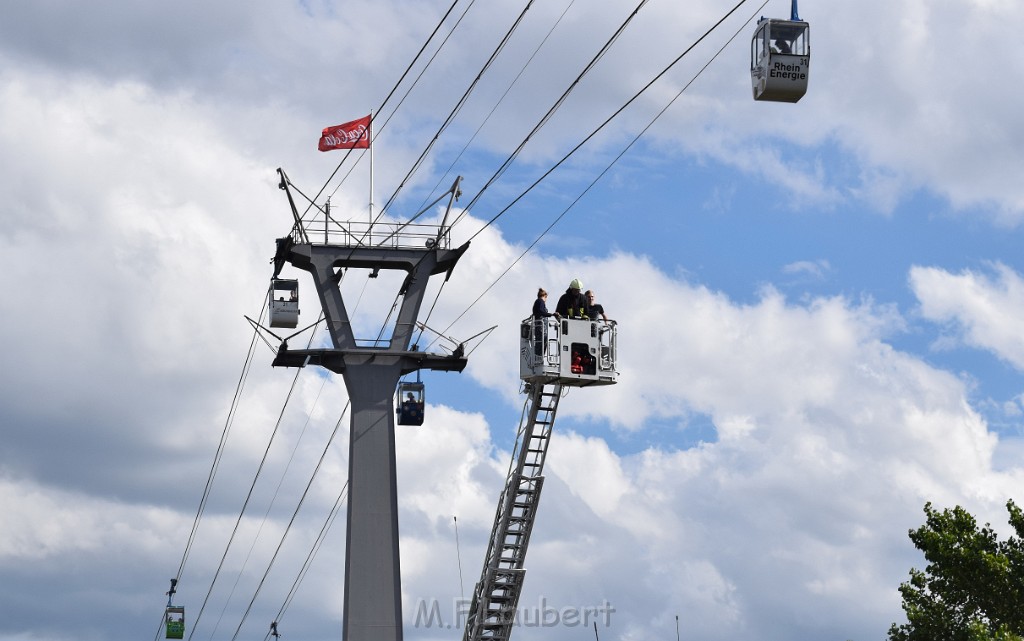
x: 349, y: 135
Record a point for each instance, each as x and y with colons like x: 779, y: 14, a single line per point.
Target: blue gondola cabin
x: 411, y: 398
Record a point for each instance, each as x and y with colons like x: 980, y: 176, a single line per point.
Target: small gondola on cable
x: 410, y: 405
x: 780, y: 58
x: 284, y: 302
x: 284, y: 292
x: 174, y: 616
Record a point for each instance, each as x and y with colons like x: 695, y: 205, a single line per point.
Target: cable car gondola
x: 174, y: 615
x: 175, y: 622
x: 284, y: 302
x: 780, y: 58
x: 410, y: 403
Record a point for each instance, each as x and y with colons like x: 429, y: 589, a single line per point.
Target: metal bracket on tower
x: 298, y: 229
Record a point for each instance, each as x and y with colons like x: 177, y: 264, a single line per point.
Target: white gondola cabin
x: 780, y: 59
x: 284, y: 302
x: 175, y: 618
x: 411, y: 399
x: 572, y: 351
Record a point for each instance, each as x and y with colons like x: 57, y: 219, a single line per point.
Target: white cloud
x: 982, y: 309
x: 41, y: 523
x: 813, y: 269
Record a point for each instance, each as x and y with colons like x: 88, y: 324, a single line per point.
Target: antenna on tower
x: 458, y: 555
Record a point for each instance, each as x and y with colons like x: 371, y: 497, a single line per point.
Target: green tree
x: 973, y: 586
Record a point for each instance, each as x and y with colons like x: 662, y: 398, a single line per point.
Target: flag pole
x: 370, y: 142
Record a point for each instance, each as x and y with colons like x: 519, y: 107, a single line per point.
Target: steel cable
x: 215, y: 465
x: 458, y: 105
x: 616, y: 159
x: 291, y: 522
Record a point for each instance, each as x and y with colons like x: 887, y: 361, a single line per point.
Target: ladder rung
x: 499, y: 598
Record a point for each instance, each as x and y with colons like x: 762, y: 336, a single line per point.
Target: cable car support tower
x: 371, y: 371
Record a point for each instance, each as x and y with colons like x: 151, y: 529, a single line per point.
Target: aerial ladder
x: 554, y: 353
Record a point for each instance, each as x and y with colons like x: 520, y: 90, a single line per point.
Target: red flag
x: 350, y: 135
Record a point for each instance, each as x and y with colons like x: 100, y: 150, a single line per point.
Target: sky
x: 818, y: 307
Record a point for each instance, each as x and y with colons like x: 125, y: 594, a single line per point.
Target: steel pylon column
x: 373, y: 588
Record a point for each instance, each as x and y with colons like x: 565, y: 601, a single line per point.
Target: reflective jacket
x: 572, y: 304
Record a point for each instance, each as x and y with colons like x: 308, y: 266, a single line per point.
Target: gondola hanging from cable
x: 780, y: 58
x: 284, y: 302
x: 174, y: 615
x: 411, y: 397
x: 175, y: 622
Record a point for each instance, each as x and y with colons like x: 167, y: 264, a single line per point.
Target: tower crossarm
x: 325, y: 262
x: 337, y: 360
x: 496, y: 596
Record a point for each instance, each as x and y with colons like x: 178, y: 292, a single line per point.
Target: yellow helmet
x: 576, y: 284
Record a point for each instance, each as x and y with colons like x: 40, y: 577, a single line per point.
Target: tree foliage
x: 973, y: 586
